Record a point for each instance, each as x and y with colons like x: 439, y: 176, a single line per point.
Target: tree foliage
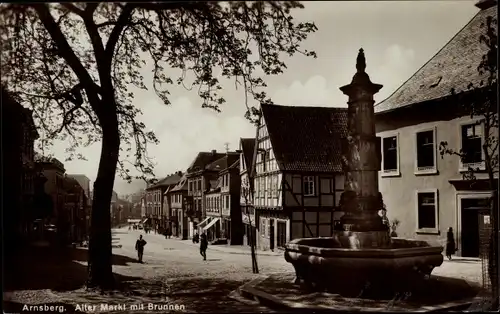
x: 76, y: 64
x: 54, y: 56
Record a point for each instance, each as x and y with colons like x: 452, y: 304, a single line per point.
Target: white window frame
x: 392, y: 172
x: 426, y: 170
x: 481, y: 165
x: 310, y: 180
x: 434, y: 230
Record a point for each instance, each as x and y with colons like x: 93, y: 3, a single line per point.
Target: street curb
x: 250, y: 292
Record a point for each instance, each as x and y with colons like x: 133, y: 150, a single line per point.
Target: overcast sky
x: 398, y: 37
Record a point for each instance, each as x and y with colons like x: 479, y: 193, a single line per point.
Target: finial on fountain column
x: 361, y: 61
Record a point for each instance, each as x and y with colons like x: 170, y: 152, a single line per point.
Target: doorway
x: 281, y: 234
x: 271, y: 234
x: 475, y: 214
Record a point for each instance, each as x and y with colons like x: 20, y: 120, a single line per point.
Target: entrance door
x: 473, y: 215
x: 281, y: 234
x: 271, y: 234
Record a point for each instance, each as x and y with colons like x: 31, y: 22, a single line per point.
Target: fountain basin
x: 327, y: 263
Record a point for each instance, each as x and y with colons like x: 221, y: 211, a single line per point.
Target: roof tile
x: 306, y: 138
x: 453, y: 67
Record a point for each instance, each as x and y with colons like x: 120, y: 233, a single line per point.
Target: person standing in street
x: 139, y: 246
x: 203, y: 246
x: 450, y: 243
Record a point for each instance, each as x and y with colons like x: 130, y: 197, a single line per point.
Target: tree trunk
x: 100, y: 252
x: 255, y: 267
x: 493, y: 252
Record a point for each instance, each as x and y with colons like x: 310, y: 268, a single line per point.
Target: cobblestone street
x: 174, y: 273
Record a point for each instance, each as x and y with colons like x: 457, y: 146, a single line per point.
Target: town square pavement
x: 173, y: 273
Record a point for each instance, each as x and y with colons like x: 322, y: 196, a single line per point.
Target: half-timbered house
x: 298, y: 172
x: 246, y: 151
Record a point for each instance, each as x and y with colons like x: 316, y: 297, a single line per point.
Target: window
x: 426, y: 151
x: 274, y: 180
x: 309, y: 186
x: 281, y: 237
x: 390, y: 154
x: 199, y: 185
x: 264, y: 161
x: 427, y: 211
x: 472, y: 141
x: 266, y: 227
x: 227, y: 201
x: 262, y: 187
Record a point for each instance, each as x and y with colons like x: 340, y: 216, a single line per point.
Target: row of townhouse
x: 63, y: 202
x: 291, y: 173
x: 157, y: 203
x: 44, y: 202
x: 203, y: 199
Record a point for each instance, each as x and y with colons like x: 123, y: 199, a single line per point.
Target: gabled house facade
x: 178, y: 196
x: 53, y: 170
x: 246, y: 151
x: 297, y: 172
x: 198, y: 183
x: 213, y: 211
x: 161, y: 203
x: 427, y: 193
x: 223, y: 186
x: 73, y: 221
x: 231, y: 216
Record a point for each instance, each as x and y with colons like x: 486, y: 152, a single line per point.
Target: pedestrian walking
x: 139, y: 246
x: 203, y: 246
x: 450, y: 243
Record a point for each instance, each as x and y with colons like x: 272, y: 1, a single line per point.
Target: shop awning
x: 206, y: 220
x: 145, y: 220
x: 211, y: 223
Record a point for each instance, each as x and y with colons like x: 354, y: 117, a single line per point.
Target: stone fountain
x: 361, y: 255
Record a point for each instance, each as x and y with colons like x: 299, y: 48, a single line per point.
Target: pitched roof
x: 181, y: 186
x: 203, y: 159
x: 453, y: 67
x: 306, y: 138
x: 224, y: 162
x: 167, y: 181
x: 71, y: 185
x: 247, y: 146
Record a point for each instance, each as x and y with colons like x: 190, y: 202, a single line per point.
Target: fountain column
x: 361, y: 226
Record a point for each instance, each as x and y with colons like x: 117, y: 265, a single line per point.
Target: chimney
x: 179, y: 173
x: 214, y: 151
x: 486, y: 4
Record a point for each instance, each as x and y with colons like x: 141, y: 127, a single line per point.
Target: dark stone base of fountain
x: 330, y: 263
x: 278, y: 291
